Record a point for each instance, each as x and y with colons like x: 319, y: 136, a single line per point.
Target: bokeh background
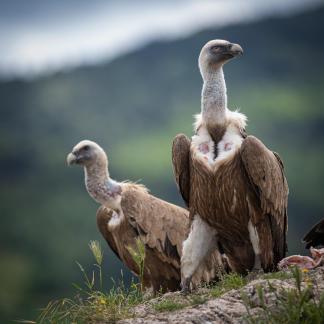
x: 125, y: 74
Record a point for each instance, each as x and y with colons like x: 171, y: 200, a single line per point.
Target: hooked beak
x: 71, y: 159
x: 234, y: 50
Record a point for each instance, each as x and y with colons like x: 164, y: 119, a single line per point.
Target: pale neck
x: 97, y: 173
x: 101, y: 187
x: 214, y: 97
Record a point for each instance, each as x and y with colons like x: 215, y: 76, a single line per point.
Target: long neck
x: 214, y: 97
x: 101, y: 187
x: 96, y: 173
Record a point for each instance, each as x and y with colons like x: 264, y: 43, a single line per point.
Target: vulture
x: 233, y: 184
x: 315, y: 237
x: 129, y: 212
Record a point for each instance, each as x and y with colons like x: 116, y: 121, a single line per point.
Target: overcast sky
x: 38, y: 36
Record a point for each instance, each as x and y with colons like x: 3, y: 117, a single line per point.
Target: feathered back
x: 162, y: 227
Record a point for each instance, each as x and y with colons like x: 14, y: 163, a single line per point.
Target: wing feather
x: 315, y: 236
x: 266, y: 173
x: 181, y: 166
x: 162, y: 226
x: 103, y: 217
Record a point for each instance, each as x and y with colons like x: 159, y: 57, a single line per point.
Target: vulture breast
x: 222, y: 194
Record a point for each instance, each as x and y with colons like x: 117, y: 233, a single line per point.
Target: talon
x: 185, y: 286
x: 185, y: 291
x: 254, y: 274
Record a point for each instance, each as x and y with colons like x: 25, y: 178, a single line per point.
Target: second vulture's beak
x: 71, y: 159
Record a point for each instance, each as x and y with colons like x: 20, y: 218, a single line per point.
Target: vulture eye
x: 86, y: 147
x: 216, y: 48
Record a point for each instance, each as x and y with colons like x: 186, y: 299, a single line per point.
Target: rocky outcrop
x: 232, y: 306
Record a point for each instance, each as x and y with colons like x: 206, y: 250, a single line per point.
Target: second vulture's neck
x: 99, y: 184
x: 214, y: 98
x: 102, y: 188
x: 96, y: 173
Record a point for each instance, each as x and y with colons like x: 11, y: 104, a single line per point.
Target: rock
x: 231, y: 307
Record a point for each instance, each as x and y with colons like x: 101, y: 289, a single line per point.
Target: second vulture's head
x: 216, y: 53
x: 87, y: 153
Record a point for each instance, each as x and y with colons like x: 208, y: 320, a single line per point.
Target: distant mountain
x: 133, y: 107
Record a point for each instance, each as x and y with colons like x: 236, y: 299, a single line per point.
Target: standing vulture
x: 234, y: 185
x: 315, y: 237
x: 129, y: 212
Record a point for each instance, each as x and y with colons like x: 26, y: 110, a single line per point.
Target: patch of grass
x: 168, y: 305
x: 228, y: 282
x: 197, y: 300
x: 96, y: 307
x: 299, y: 305
x: 280, y: 275
x: 91, y: 304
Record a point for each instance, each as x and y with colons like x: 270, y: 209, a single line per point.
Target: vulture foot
x: 254, y: 274
x: 256, y: 270
x: 185, y: 286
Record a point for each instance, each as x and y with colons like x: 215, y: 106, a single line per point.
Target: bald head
x: 216, y: 53
x: 87, y: 153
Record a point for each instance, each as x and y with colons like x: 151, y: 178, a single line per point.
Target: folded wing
x: 265, y: 171
x: 181, y: 165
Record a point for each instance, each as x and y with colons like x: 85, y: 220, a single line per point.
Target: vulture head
x: 87, y: 153
x: 216, y: 53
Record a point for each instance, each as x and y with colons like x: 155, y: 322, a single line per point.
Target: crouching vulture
x: 129, y: 212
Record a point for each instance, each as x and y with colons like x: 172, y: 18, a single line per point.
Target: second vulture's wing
x: 163, y: 227
x: 103, y: 217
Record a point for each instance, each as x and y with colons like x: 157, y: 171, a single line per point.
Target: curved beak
x: 235, y: 50
x: 71, y: 159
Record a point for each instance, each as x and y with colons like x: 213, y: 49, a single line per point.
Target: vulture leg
x: 254, y: 237
x: 202, y: 238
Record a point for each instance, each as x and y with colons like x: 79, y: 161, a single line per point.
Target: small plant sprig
x: 138, y: 255
x: 98, y: 255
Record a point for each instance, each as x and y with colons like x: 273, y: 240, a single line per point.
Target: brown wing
x: 181, y: 167
x: 315, y: 236
x: 103, y: 216
x: 161, y: 225
x: 119, y: 240
x: 265, y: 171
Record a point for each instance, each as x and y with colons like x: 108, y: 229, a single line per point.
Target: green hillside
x: 133, y: 107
